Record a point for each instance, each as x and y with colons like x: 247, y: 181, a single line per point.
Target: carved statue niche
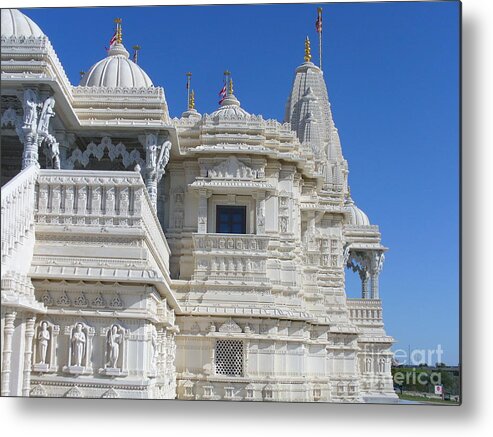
x: 45, y: 347
x: 80, y: 349
x: 43, y: 338
x: 114, y: 339
x: 78, y: 341
x: 115, y: 353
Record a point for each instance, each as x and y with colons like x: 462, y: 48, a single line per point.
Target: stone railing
x: 156, y: 238
x: 240, y: 257
x: 365, y: 312
x: 18, y: 221
x: 105, y: 200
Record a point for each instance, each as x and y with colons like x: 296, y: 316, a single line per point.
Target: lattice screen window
x: 229, y: 357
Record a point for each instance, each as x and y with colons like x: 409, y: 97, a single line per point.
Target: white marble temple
x: 200, y: 257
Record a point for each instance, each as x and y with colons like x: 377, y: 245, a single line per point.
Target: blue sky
x: 392, y: 71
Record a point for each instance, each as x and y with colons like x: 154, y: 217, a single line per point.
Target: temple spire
x: 230, y: 91
x: 191, y: 100
x: 118, y: 22
x: 308, y: 50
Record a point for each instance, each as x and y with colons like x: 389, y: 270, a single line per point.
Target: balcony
x: 365, y: 312
x: 112, y: 207
x: 230, y: 258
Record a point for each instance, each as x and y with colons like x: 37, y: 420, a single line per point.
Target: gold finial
x: 191, y: 101
x: 308, y: 51
x: 118, y: 22
x: 230, y: 91
x: 82, y: 74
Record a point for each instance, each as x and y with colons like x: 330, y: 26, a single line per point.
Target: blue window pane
x: 231, y: 219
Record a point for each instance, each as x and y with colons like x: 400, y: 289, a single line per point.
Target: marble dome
x: 356, y: 216
x: 15, y: 23
x: 230, y: 108
x: 116, y: 71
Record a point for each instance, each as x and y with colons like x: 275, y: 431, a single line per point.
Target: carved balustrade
x: 365, y: 312
x: 18, y: 221
x: 227, y: 257
x: 106, y: 201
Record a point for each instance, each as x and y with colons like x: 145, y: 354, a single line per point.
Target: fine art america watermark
x: 414, y: 358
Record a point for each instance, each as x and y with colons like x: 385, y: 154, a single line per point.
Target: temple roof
x: 356, y: 216
x: 230, y: 108
x: 15, y: 23
x: 116, y: 71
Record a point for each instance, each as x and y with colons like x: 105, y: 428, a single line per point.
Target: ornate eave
x: 244, y: 187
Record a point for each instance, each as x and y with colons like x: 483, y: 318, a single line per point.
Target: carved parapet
x: 365, y: 312
x: 230, y: 256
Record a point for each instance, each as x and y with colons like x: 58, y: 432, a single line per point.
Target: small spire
x: 230, y: 91
x: 136, y: 53
x: 189, y: 83
x: 191, y: 101
x: 308, y: 51
x: 82, y: 74
x: 118, y: 22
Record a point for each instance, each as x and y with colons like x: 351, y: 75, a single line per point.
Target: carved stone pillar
x: 376, y: 265
x: 365, y: 280
x: 157, y: 158
x: 29, y: 128
x: 28, y: 353
x: 260, y: 201
x: 374, y: 286
x: 30, y: 153
x: 202, y: 212
x: 8, y: 333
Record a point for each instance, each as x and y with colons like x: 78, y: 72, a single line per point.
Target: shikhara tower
x: 200, y: 257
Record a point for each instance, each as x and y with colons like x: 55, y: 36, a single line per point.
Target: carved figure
x: 43, y: 342
x: 46, y: 114
x: 52, y: 152
x: 78, y: 344
x: 381, y: 364
x: 368, y: 365
x: 164, y: 155
x: 113, y: 342
x: 151, y: 151
x: 154, y: 348
x: 30, y: 109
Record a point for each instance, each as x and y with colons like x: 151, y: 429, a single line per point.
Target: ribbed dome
x: 15, y: 23
x: 116, y: 71
x: 230, y: 108
x: 356, y: 216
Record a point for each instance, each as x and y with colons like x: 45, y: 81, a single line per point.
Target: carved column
x: 365, y: 280
x: 30, y: 153
x: 202, y: 212
x: 157, y: 158
x: 29, y: 128
x: 260, y: 200
x: 8, y: 332
x: 376, y: 265
x: 28, y: 353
